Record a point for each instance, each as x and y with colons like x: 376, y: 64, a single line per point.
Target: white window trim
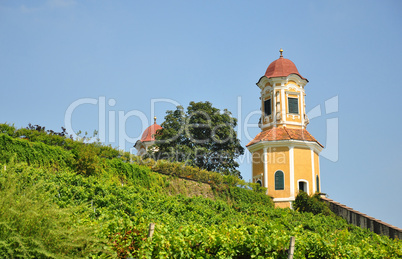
x: 303, y: 180
x: 298, y: 104
x: 283, y: 105
x: 313, y: 171
x: 292, y: 172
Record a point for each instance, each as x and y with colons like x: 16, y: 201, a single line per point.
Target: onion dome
x: 149, y: 133
x: 282, y: 67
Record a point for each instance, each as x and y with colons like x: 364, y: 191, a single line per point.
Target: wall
x: 303, y: 168
x: 362, y: 220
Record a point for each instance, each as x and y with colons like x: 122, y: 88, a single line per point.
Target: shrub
x: 313, y: 204
x: 86, y: 160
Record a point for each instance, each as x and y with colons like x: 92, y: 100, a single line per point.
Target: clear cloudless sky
x: 134, y: 53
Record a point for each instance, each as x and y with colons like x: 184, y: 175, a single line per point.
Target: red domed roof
x: 149, y: 133
x: 281, y: 67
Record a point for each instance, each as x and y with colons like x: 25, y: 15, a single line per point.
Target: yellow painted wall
x: 295, y: 118
x: 302, y: 167
x: 258, y: 166
x: 282, y: 205
x: 278, y: 159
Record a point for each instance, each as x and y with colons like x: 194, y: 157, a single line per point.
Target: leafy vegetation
x: 52, y: 207
x: 33, y: 225
x: 203, y: 136
x: 313, y: 204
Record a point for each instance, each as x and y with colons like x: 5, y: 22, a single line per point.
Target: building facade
x: 285, y: 156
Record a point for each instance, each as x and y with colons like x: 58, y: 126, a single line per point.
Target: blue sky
x: 53, y: 53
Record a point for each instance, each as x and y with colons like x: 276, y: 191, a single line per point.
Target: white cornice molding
x: 286, y: 143
x: 262, y: 82
x: 292, y: 92
x: 283, y: 80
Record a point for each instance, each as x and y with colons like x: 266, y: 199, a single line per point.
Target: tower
x: 147, y: 138
x: 285, y: 156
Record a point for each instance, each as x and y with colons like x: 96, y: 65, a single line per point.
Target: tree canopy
x: 203, y: 136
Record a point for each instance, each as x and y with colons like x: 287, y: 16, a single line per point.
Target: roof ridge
x: 287, y: 132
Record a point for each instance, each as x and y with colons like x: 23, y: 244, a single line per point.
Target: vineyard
x: 64, y: 198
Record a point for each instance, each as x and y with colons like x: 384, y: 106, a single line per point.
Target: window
x: 293, y: 105
x: 318, y: 183
x: 259, y: 182
x: 303, y: 186
x: 279, y: 181
x: 267, y: 107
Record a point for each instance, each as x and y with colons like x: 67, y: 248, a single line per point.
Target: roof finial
x: 281, y: 50
x: 155, y: 120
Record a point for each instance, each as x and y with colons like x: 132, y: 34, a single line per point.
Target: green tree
x: 203, y: 136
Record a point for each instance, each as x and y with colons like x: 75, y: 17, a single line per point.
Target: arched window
x: 279, y: 180
x: 259, y: 182
x: 318, y: 183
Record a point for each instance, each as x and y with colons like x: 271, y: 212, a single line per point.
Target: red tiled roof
x: 149, y: 133
x: 276, y: 133
x: 281, y: 67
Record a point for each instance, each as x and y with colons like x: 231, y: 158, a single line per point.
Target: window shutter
x: 279, y: 181
x: 293, y: 105
x: 267, y: 107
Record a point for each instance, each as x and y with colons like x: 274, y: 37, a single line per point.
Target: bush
x: 313, y: 204
x: 86, y: 160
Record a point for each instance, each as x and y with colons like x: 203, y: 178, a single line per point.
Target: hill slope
x: 62, y: 198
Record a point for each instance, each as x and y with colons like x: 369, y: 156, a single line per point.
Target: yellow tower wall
x: 278, y: 159
x: 303, y: 168
x: 258, y: 166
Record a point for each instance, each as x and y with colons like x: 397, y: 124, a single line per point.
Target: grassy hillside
x: 61, y: 198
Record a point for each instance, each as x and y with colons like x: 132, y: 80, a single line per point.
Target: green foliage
x: 33, y: 153
x: 313, y: 204
x: 180, y: 169
x: 32, y: 225
x: 61, y: 211
x: 203, y: 137
x: 7, y: 129
x: 86, y: 160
